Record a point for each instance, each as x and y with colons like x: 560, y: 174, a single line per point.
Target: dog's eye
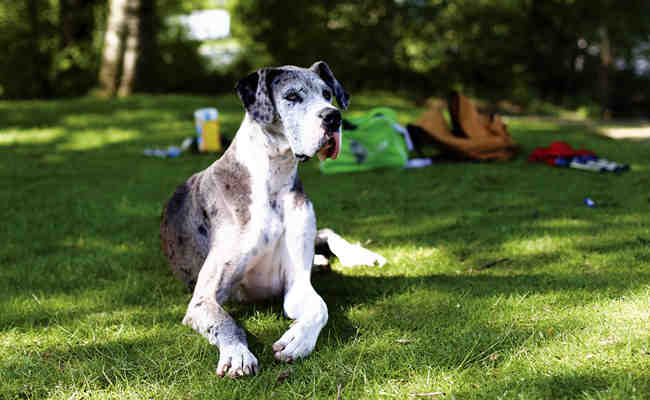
x: 292, y: 97
x: 327, y: 94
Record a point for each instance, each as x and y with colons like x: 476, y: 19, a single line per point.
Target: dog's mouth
x: 331, y: 148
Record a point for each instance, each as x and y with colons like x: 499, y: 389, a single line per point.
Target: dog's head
x: 298, y: 102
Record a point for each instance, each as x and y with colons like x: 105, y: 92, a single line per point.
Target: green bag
x: 373, y: 144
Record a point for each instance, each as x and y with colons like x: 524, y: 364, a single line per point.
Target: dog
x: 243, y: 228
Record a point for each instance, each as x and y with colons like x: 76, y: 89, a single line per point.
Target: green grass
x: 89, y: 308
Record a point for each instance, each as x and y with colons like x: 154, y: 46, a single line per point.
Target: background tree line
x: 569, y: 52
x: 58, y: 48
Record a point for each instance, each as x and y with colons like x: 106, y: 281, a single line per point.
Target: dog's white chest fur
x: 263, y: 277
x: 272, y: 178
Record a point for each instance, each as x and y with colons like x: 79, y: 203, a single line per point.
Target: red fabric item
x: 555, y: 150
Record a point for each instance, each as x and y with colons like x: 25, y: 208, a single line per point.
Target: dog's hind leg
x: 206, y: 315
x: 301, y: 302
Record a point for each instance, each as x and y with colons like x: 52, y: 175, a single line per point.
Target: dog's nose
x: 331, y: 118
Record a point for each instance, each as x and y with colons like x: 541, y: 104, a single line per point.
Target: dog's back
x: 185, y: 251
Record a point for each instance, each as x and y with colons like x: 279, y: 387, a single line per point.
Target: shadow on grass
x: 81, y: 226
x: 40, y: 372
x: 567, y: 385
x: 441, y: 333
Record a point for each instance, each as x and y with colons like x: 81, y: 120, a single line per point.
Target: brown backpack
x: 473, y: 136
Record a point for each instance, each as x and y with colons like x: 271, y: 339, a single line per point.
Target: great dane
x: 243, y: 229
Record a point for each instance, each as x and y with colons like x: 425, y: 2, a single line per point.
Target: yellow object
x: 210, y: 139
x: 207, y: 129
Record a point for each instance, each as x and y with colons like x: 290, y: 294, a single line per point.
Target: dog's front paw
x: 296, y: 343
x: 236, y: 360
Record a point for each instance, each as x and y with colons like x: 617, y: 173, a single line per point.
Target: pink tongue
x: 337, y: 146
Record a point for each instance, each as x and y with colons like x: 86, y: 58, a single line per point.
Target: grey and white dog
x: 243, y: 229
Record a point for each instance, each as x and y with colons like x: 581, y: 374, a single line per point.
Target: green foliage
x: 53, y: 49
x: 179, y: 67
x: 23, y: 59
x: 42, y: 58
x: 358, y: 39
x: 172, y: 7
x: 89, y: 308
x: 521, y: 50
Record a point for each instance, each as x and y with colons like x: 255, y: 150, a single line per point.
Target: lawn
x: 89, y: 308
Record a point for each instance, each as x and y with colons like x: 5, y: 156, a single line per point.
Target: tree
x: 122, y: 46
x: 40, y: 60
x: 357, y: 38
x: 147, y: 79
x: 132, y: 48
x: 75, y: 59
x: 113, y: 45
x: 53, y: 48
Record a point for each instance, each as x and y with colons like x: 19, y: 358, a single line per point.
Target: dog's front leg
x: 301, y: 302
x: 206, y: 315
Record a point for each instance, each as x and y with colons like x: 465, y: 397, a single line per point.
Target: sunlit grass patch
x: 35, y: 135
x: 500, y: 281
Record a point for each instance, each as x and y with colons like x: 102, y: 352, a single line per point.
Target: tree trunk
x: 603, y: 72
x: 40, y: 60
x: 113, y: 46
x: 131, y: 49
x: 66, y: 22
x: 148, y: 54
x: 76, y: 21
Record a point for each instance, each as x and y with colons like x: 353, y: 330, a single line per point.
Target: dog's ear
x: 255, y: 94
x: 323, y: 70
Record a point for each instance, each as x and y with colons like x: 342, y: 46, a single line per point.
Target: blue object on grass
x: 589, y: 202
x: 561, y: 162
x: 172, y: 151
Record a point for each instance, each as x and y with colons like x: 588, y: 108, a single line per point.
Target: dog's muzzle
x: 332, y: 126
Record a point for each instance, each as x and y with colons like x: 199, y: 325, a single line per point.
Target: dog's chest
x: 263, y: 277
x: 267, y: 224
